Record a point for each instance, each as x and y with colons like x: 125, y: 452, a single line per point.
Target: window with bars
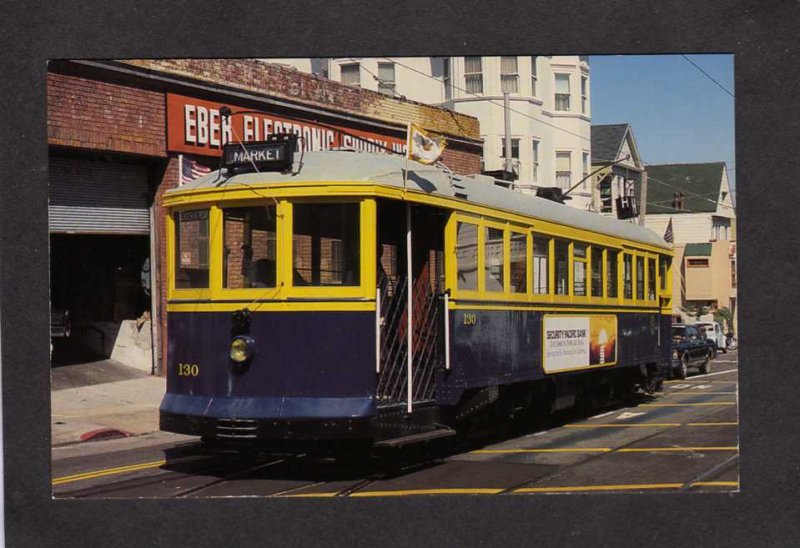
x: 534, y: 75
x: 562, y: 267
x: 562, y: 92
x: 564, y: 169
x: 351, y: 74
x: 611, y: 269
x: 579, y: 270
x: 627, y: 276
x: 509, y: 76
x: 473, y: 74
x: 386, y: 81
x: 640, y: 278
x: 597, y: 271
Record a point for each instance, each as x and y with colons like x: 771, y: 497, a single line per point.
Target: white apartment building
x: 550, y: 104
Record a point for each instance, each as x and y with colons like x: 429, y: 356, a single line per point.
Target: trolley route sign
x: 275, y: 154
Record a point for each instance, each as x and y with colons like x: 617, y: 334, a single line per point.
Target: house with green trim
x: 694, y: 203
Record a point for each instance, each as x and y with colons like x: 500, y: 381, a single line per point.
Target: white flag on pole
x: 424, y: 147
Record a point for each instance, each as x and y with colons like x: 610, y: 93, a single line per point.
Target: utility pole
x: 643, y: 205
x: 507, y: 119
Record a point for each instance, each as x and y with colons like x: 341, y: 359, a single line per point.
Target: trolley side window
x: 562, y: 267
x: 597, y: 271
x: 612, y: 272
x: 493, y: 264
x: 191, y: 249
x: 326, y: 244
x: 640, y: 278
x: 627, y: 276
x: 541, y: 267
x: 651, y: 279
x: 519, y: 263
x: 579, y: 269
x: 467, y: 256
x: 249, y: 249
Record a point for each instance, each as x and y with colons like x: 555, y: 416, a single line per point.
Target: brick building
x: 118, y: 133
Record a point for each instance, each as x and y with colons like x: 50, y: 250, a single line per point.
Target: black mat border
x: 761, y: 35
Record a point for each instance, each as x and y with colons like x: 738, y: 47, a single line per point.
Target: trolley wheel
x: 683, y: 368
x: 705, y: 368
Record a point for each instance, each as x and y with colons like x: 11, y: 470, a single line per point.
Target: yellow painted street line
x: 712, y: 424
x: 716, y: 484
x: 108, y: 472
x: 576, y: 488
x: 466, y: 491
x: 696, y: 393
x: 648, y: 449
x: 310, y: 495
x: 556, y: 450
x: 695, y: 383
x: 625, y: 425
x: 686, y: 404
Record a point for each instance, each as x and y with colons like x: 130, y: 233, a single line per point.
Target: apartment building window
x: 473, y: 74
x: 386, y: 82
x: 584, y: 95
x: 514, y: 148
x: 351, y: 74
x: 534, y: 75
x: 564, y: 169
x: 535, y: 151
x: 585, y: 169
x: 562, y: 92
x: 447, y: 79
x: 509, y: 77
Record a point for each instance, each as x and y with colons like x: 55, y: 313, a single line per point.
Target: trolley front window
x: 325, y: 245
x: 191, y: 249
x: 249, y: 249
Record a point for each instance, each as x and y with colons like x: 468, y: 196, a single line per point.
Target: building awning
x: 697, y: 250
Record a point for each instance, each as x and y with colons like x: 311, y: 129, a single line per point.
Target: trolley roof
x: 386, y: 169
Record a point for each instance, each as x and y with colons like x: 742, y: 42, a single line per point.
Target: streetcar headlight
x: 242, y: 348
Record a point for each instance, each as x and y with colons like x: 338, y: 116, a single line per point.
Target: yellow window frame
x: 193, y: 294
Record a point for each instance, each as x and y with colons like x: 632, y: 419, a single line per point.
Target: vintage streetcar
x: 295, y: 318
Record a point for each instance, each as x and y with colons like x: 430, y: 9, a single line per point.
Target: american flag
x: 192, y: 170
x: 668, y: 235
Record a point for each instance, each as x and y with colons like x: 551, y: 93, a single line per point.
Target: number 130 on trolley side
x: 357, y: 298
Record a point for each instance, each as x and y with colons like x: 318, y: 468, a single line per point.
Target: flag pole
x: 408, y: 153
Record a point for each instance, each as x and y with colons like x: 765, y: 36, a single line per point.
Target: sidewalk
x: 103, y: 399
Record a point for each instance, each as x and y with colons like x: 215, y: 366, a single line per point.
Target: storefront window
x: 191, y: 249
x: 326, y: 245
x: 249, y: 249
x: 467, y: 256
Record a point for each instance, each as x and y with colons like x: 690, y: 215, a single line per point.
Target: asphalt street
x: 683, y: 439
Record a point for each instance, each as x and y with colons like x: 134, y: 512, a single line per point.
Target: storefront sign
x: 578, y: 342
x: 195, y: 126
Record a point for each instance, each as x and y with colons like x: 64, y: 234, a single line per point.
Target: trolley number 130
x: 188, y: 370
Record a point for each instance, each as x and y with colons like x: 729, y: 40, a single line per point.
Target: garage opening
x: 100, y: 252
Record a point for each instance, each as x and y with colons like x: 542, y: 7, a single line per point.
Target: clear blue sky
x: 678, y: 114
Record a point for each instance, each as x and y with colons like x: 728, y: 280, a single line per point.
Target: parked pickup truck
x: 690, y: 348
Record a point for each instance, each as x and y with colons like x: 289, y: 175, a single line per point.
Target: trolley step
x: 416, y: 438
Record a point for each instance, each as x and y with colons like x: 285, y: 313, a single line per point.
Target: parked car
x: 713, y: 332
x: 690, y: 349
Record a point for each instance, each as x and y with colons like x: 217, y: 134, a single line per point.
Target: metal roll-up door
x: 93, y: 197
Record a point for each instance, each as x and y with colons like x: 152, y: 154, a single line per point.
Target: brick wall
x: 288, y: 83
x: 461, y: 161
x: 92, y: 114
